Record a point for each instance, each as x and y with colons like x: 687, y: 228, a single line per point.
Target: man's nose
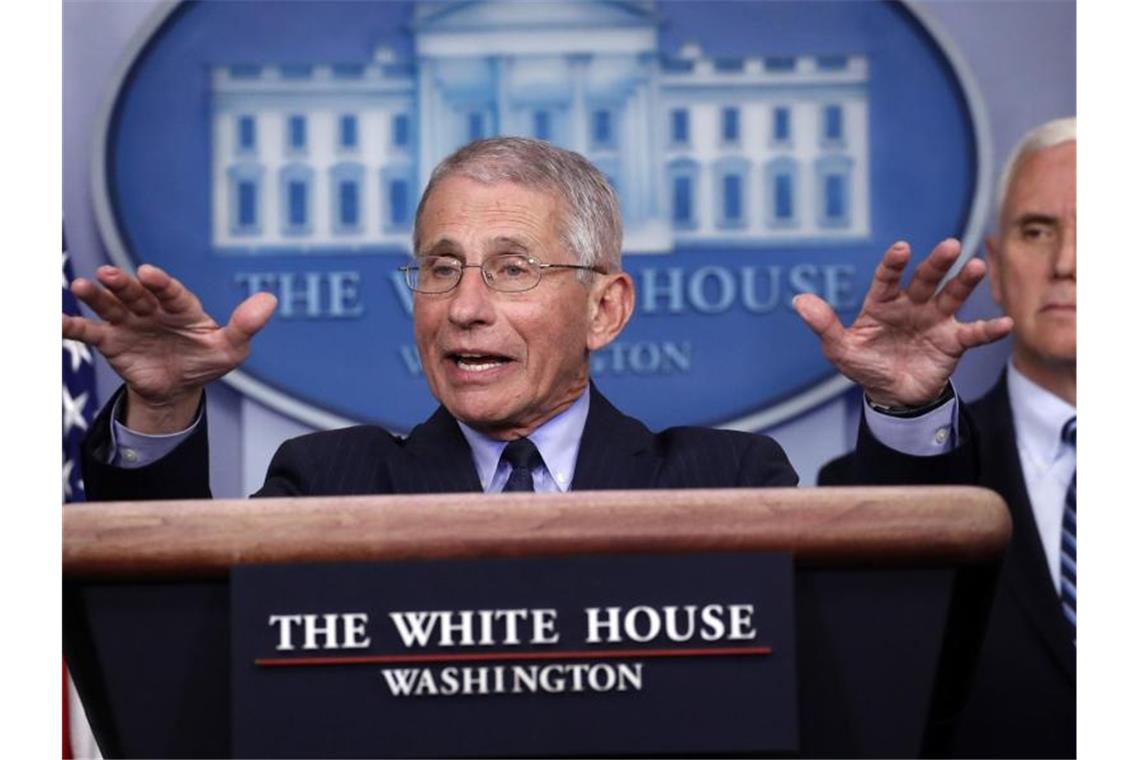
x: 1065, y: 261
x: 471, y: 301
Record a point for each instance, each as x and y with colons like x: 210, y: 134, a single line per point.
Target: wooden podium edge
x: 908, y: 526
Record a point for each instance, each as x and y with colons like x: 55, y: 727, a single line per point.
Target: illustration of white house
x: 750, y: 151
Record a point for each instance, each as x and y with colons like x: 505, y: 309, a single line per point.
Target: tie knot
x: 522, y: 454
x: 1069, y: 432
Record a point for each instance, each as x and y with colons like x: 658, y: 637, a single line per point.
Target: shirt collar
x: 557, y: 441
x: 1038, y: 416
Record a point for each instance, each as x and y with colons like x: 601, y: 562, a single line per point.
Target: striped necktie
x: 1069, y: 536
x: 523, y: 457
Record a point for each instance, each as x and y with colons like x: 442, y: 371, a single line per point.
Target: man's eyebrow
x: 443, y: 247
x: 1033, y: 217
x: 512, y: 243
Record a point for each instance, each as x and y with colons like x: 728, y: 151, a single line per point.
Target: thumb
x: 250, y: 316
x: 820, y: 317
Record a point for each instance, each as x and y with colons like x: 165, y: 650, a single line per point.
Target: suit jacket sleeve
x: 875, y: 464
x: 184, y: 473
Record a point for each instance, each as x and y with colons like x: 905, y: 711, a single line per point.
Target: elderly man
x: 517, y: 278
x: 1023, y: 703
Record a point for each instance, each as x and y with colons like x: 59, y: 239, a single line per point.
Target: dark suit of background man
x: 516, y: 278
x: 1024, y: 700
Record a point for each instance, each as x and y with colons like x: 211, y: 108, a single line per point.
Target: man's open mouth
x: 478, y: 362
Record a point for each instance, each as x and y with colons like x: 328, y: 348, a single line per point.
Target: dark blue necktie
x: 1069, y: 536
x: 523, y: 457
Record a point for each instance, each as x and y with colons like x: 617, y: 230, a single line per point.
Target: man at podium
x: 516, y: 279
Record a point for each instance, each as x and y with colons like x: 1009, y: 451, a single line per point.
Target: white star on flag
x: 73, y: 411
x: 78, y: 352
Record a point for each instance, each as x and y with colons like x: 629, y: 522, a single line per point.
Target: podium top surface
x: 852, y: 527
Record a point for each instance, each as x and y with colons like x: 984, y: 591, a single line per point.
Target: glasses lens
x: 511, y: 272
x: 435, y: 274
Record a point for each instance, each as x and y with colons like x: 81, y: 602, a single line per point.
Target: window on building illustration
x: 731, y: 190
x: 835, y: 197
x: 781, y: 180
x: 780, y: 63
x: 542, y: 125
x: 683, y: 200
x: 602, y: 128
x: 246, y: 204
x: 246, y: 133
x: 781, y: 124
x: 784, y: 198
x: 475, y: 126
x: 682, y: 174
x: 398, y: 202
x: 348, y: 193
x: 679, y: 126
x: 833, y: 179
x: 732, y: 207
x: 296, y: 139
x: 345, y: 192
x: 347, y: 132
x: 832, y: 62
x: 295, y: 181
x: 832, y: 123
x: 401, y: 130
x: 298, y: 203
x: 730, y: 125
x: 244, y: 185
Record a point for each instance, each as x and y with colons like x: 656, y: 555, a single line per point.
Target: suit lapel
x: 1025, y: 566
x: 437, y: 459
x: 616, y: 451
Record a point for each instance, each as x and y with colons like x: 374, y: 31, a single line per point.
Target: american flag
x: 78, y: 394
x: 78, y: 409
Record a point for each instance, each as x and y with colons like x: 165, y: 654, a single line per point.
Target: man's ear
x: 610, y: 308
x: 993, y: 268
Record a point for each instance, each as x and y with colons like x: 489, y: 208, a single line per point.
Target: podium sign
x: 597, y: 655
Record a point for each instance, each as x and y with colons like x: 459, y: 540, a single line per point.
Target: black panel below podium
x: 152, y: 661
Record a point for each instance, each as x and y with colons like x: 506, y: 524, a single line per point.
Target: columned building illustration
x: 750, y: 151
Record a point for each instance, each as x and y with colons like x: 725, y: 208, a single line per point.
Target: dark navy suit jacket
x: 616, y: 452
x: 1023, y: 701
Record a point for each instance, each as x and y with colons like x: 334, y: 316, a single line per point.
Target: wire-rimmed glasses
x: 504, y: 272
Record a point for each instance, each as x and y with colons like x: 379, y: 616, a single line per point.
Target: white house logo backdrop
x: 759, y: 150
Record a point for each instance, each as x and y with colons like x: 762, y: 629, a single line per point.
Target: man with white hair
x: 1023, y: 432
x: 516, y: 280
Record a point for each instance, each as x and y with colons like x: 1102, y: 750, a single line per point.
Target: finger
x: 131, y: 294
x: 885, y: 285
x: 983, y: 331
x: 932, y: 269
x: 821, y: 318
x: 101, y: 301
x: 249, y: 317
x: 958, y: 289
x: 81, y: 329
x: 172, y: 295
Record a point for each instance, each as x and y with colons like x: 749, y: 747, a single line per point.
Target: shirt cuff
x: 930, y: 434
x: 131, y: 449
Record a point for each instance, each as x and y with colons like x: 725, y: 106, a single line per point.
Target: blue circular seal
x: 759, y: 150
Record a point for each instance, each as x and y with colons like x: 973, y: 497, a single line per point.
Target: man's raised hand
x: 906, y: 342
x: 157, y: 337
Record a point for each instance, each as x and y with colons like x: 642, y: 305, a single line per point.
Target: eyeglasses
x: 505, y: 272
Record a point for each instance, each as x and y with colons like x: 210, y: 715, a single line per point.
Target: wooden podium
x: 892, y: 590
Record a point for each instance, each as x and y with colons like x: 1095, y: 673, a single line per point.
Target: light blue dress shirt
x: 1047, y: 462
x: 558, y: 439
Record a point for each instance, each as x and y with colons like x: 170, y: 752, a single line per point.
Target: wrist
x: 170, y: 415
x: 906, y: 410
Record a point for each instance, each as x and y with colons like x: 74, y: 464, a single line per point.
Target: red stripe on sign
x: 605, y: 654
